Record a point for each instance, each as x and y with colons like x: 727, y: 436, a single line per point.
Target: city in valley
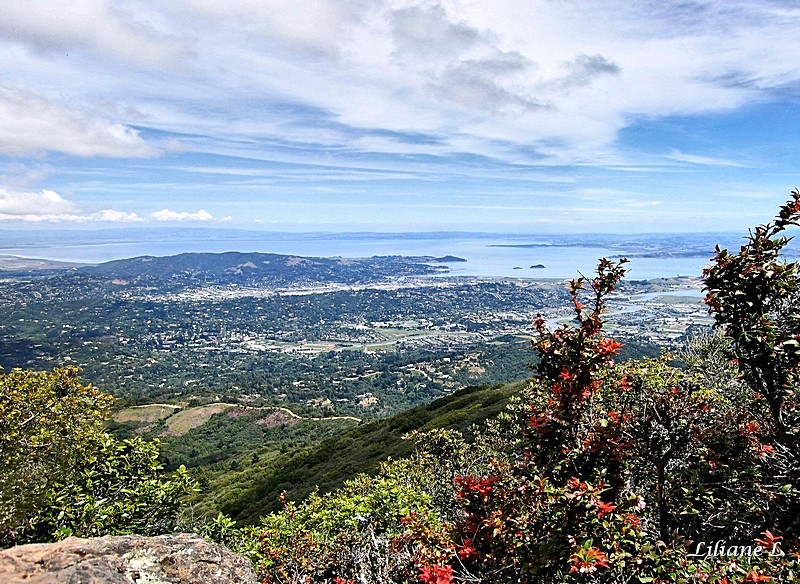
x: 352, y: 341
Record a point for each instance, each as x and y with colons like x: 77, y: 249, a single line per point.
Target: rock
x: 125, y: 559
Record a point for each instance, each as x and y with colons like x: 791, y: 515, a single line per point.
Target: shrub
x: 374, y: 530
x: 62, y: 475
x: 45, y: 420
x: 118, y: 487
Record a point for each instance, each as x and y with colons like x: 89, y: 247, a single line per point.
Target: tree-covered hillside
x: 249, y: 493
x: 254, y: 268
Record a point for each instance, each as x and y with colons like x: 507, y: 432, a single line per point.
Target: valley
x: 236, y: 370
x: 343, y: 341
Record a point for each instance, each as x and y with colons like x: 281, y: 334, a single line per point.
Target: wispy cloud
x: 525, y: 72
x: 127, y: 33
x: 410, y: 92
x: 679, y: 156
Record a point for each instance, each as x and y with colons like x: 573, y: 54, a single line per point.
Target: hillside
x: 253, y: 268
x: 223, y: 434
x: 250, y: 493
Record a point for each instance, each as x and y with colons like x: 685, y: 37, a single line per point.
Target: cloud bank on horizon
x: 513, y: 115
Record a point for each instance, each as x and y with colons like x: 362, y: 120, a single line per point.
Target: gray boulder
x: 125, y: 559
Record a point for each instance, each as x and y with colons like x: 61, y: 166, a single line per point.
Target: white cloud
x: 558, y: 78
x: 168, y: 215
x: 47, y: 206
x: 127, y: 32
x: 30, y: 124
x: 302, y: 28
x: 113, y: 216
x: 45, y: 202
x: 304, y: 90
x: 563, y: 78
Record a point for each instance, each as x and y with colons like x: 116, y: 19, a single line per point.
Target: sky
x: 524, y: 116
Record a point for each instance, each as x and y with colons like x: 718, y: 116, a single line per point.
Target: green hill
x: 249, y: 493
x: 258, y: 268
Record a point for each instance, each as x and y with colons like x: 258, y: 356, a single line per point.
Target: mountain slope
x: 248, y: 494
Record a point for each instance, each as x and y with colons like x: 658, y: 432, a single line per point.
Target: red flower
x: 608, y: 347
x: 764, y: 449
x: 587, y: 560
x: 566, y: 375
x: 577, y: 485
x: 769, y: 540
x: 467, y: 552
x: 752, y: 428
x: 539, y: 423
x: 632, y: 519
x: 604, y: 508
x: 436, y: 574
x: 713, y: 302
x: 469, y: 484
x: 754, y: 576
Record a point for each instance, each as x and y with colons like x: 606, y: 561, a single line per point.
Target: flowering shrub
x: 558, y: 511
x: 622, y: 469
x: 436, y: 574
x: 374, y: 530
x: 755, y: 299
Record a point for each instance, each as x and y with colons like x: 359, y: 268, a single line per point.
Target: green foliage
x: 597, y: 472
x: 755, y: 299
x: 63, y: 475
x: 118, y: 487
x: 46, y: 418
x: 624, y: 468
x: 359, y: 532
x: 232, y: 434
x: 375, y: 530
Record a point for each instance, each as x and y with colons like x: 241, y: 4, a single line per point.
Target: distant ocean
x: 493, y: 255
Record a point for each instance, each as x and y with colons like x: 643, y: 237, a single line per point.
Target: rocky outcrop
x: 126, y: 559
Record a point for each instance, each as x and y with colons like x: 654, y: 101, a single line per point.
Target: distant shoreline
x: 480, y: 255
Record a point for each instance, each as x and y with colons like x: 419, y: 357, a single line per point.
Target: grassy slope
x: 252, y: 492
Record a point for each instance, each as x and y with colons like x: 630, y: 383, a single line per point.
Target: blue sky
x: 396, y: 115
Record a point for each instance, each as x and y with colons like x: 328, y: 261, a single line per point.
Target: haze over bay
x: 487, y: 254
